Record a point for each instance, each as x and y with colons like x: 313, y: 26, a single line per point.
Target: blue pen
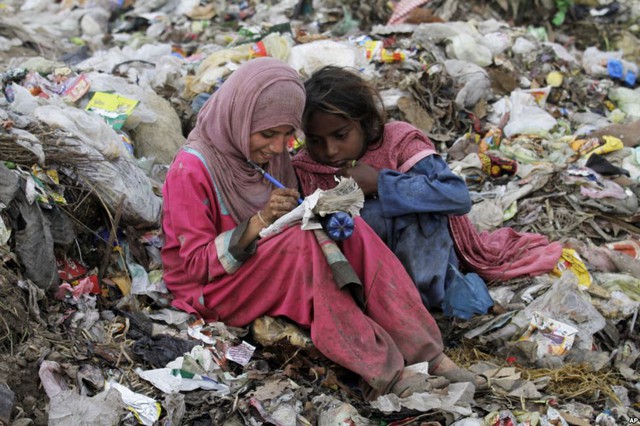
x: 338, y: 226
x: 270, y: 178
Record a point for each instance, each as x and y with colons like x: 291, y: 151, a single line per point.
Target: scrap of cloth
x: 504, y: 253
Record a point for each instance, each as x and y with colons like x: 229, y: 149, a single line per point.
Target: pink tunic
x: 288, y: 275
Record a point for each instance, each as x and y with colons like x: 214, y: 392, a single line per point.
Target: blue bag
x: 466, y: 295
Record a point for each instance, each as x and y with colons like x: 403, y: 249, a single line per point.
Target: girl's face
x: 334, y: 140
x: 265, y: 144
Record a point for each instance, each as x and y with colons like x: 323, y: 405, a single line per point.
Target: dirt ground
x: 23, y: 344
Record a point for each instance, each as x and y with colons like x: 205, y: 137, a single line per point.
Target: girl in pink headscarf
x: 216, y: 266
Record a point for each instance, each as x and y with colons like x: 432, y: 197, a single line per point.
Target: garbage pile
x: 536, y: 106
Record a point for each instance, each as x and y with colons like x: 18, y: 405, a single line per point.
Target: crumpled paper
x: 457, y: 401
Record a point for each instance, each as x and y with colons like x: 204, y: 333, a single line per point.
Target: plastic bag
x: 475, y: 81
x: 465, y: 48
x: 70, y: 408
x: 127, y: 62
x: 51, y: 378
x: 23, y: 102
x: 571, y: 260
x: 627, y: 100
x: 527, y: 117
x: 566, y: 303
x: 89, y: 128
x: 594, y: 61
x: 522, y: 46
x: 308, y: 57
x: 497, y: 42
x: 116, y: 181
x: 438, y: 32
x: 619, y: 282
x: 123, y: 179
x: 467, y: 295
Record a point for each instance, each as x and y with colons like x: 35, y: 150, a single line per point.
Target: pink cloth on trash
x: 504, y: 253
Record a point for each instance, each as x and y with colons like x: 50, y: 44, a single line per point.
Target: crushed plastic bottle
x: 338, y: 226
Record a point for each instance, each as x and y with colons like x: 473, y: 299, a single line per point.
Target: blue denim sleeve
x: 429, y: 187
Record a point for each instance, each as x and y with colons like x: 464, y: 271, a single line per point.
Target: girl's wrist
x: 262, y: 220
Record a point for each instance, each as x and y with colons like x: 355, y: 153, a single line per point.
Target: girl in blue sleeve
x: 410, y: 191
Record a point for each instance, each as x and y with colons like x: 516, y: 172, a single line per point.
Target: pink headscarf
x: 263, y: 93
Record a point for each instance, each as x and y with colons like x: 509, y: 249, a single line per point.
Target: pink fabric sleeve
x: 415, y: 159
x: 191, y: 223
x: 412, y: 146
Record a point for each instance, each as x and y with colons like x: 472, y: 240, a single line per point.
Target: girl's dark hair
x: 339, y: 91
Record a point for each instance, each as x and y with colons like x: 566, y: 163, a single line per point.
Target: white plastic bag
x: 23, y: 102
x: 90, y: 128
x: 308, y: 57
x: 497, y: 42
x: 465, y: 48
x: 475, y: 82
x: 628, y: 100
x: 522, y: 46
x: 116, y: 181
x: 594, y: 61
x: 526, y: 117
x: 565, y: 302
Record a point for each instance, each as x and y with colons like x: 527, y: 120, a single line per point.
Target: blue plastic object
x: 615, y: 68
x: 466, y: 296
x: 338, y: 226
x: 199, y: 101
x: 630, y: 78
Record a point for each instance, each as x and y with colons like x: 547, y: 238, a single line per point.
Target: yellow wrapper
x: 587, y: 147
x: 113, y: 108
x: 611, y: 143
x: 570, y: 260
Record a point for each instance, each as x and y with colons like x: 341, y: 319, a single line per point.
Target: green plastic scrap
x: 540, y: 33
x: 182, y: 373
x: 346, y: 24
x: 621, y: 282
x: 561, y: 14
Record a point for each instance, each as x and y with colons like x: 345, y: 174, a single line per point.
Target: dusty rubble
x: 535, y: 104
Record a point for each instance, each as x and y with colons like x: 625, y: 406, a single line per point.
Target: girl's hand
x: 281, y: 202
x: 365, y: 176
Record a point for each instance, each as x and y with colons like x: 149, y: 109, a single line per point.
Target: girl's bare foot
x: 409, y: 383
x: 444, y: 366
